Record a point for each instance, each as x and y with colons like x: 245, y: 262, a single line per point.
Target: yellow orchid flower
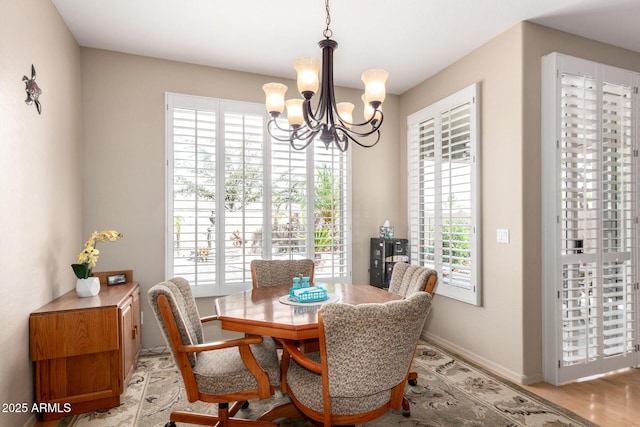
x: 88, y: 258
x: 110, y: 235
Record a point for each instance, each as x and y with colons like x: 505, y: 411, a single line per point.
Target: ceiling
x: 411, y: 39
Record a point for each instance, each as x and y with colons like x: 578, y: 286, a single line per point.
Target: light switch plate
x: 502, y: 235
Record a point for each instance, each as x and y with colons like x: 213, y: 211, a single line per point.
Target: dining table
x: 268, y: 311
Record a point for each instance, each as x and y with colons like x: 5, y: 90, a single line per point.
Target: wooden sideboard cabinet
x: 85, y: 349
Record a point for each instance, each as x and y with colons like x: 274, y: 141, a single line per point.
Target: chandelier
x: 330, y: 121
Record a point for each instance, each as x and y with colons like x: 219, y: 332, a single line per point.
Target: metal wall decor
x: 32, y: 89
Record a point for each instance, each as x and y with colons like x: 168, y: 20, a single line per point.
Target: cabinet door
x: 137, y: 325
x: 130, y: 336
x: 128, y: 355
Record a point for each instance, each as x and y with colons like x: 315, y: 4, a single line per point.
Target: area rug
x: 450, y: 392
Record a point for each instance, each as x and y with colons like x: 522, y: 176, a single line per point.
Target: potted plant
x: 87, y: 285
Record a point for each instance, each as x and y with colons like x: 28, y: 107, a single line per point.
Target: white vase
x: 88, y: 287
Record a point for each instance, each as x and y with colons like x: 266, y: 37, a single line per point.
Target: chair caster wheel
x: 170, y: 424
x: 413, y: 383
x: 245, y: 405
x: 406, y: 408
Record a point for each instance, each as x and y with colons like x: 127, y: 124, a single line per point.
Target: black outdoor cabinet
x: 384, y: 254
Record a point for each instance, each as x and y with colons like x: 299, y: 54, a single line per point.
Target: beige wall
x: 123, y: 116
x: 506, y: 332
x: 492, y: 333
x: 41, y: 184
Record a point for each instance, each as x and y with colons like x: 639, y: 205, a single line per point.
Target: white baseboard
x: 485, y: 363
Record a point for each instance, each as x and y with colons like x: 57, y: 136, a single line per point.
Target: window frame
x: 312, y: 155
x: 468, y: 95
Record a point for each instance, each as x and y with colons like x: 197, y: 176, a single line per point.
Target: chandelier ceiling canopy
x: 331, y: 122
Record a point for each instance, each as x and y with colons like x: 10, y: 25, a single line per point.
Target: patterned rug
x: 450, y: 392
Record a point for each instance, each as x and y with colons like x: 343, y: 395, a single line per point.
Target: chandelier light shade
x: 330, y: 121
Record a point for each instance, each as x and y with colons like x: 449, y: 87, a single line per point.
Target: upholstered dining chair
x: 361, y: 369
x: 223, y: 372
x: 406, y: 280
x: 271, y: 272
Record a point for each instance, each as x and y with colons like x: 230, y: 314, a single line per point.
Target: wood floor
x: 610, y: 401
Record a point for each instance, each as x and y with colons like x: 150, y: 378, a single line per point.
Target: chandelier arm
x: 354, y: 133
x: 308, y: 137
x: 352, y: 136
x: 303, y: 134
x: 296, y: 134
x: 375, y: 121
x: 341, y: 139
x: 291, y: 133
x: 300, y: 132
x: 310, y: 119
x: 368, y: 145
x: 273, y: 122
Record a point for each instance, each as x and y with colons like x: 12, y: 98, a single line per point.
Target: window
x: 590, y: 218
x: 234, y: 195
x: 444, y: 171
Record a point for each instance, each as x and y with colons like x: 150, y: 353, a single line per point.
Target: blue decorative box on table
x: 308, y: 294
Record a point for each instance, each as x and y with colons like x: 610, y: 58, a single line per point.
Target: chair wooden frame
x: 225, y: 414
x: 430, y: 287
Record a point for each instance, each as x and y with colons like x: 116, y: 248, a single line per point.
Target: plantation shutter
x: 455, y: 166
x: 443, y: 189
x: 331, y: 207
x: 595, y: 237
x: 424, y: 198
x: 234, y: 195
x: 244, y: 193
x: 290, y: 221
x: 314, y: 208
x: 193, y: 212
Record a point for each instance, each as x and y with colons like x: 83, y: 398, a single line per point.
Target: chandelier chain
x: 327, y: 32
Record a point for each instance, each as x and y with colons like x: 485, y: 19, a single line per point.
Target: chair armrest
x: 300, y: 358
x: 248, y: 358
x: 431, y: 284
x: 217, y: 345
x: 208, y: 318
